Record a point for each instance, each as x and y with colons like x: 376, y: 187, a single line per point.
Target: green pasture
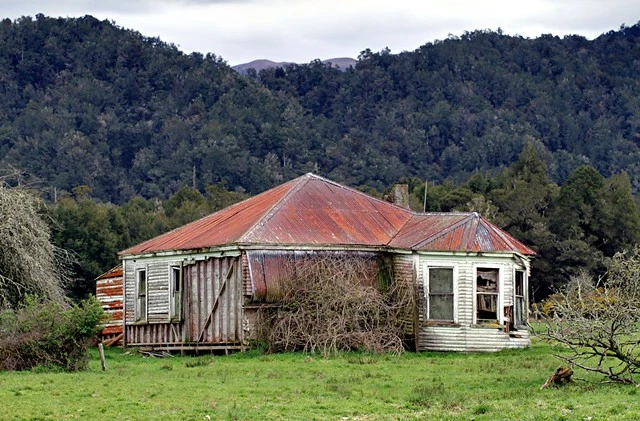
x: 351, y: 386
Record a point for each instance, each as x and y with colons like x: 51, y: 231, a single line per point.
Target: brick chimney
x: 400, y: 195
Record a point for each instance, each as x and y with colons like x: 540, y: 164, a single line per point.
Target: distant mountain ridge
x: 342, y: 63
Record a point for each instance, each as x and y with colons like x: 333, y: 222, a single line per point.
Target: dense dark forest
x: 125, y: 136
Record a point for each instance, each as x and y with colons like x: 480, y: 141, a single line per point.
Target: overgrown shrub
x: 340, y: 303
x: 46, y: 333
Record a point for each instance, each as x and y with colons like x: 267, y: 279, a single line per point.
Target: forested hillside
x: 127, y: 137
x: 84, y: 102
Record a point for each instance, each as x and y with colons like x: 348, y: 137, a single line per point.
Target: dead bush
x: 597, y: 322
x: 29, y: 263
x: 340, y: 303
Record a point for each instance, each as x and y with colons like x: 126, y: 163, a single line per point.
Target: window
x: 487, y: 295
x: 520, y: 307
x: 141, y: 294
x: 175, y: 293
x: 440, y: 296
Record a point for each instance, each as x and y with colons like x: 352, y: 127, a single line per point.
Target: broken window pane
x: 487, y: 295
x: 487, y: 307
x: 487, y: 280
x: 520, y: 310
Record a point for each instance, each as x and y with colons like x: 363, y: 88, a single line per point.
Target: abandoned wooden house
x: 200, y: 286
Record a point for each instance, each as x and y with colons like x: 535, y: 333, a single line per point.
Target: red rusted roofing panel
x: 505, y: 239
x: 112, y: 273
x: 325, y: 213
x: 223, y: 227
x: 456, y: 232
x: 425, y: 227
x: 109, y: 291
x: 311, y: 210
x: 307, y: 210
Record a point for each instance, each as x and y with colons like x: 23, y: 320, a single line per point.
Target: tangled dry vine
x: 340, y: 302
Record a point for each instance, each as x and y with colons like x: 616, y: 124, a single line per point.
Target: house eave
x: 217, y: 251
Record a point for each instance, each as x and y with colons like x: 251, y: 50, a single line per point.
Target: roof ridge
x: 471, y: 229
x: 504, y: 235
x: 368, y: 196
x: 299, y: 182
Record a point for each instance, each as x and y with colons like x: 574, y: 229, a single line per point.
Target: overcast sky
x: 303, y: 30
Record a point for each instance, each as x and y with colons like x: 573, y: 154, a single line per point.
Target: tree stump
x: 560, y: 377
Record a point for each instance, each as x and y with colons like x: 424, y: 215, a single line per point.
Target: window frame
x: 524, y: 297
x: 142, y: 312
x: 427, y: 290
x: 175, y: 311
x: 498, y: 294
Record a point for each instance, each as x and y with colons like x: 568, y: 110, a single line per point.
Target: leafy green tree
x: 619, y: 216
x: 93, y: 232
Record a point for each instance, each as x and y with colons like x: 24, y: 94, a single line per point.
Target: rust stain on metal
x: 271, y: 269
x: 109, y: 292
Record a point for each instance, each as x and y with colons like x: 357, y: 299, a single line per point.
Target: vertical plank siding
x: 214, y: 301
x: 210, y: 320
x: 403, y: 273
x: 155, y: 335
x: 157, y: 292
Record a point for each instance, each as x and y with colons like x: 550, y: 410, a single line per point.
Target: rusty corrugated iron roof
x: 111, y: 273
x: 456, y: 231
x: 307, y: 210
x: 313, y: 211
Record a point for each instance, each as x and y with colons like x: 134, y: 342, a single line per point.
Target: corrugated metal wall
x: 470, y: 339
x: 269, y: 270
x: 110, y: 294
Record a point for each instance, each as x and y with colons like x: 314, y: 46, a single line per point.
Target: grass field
x: 350, y: 386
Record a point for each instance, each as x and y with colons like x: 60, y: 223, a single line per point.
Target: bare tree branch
x: 29, y: 263
x: 597, y: 322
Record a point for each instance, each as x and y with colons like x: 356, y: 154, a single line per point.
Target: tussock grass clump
x: 198, y: 362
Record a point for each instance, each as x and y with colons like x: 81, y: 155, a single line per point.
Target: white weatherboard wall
x: 464, y: 334
x: 210, y: 319
x: 157, y: 287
